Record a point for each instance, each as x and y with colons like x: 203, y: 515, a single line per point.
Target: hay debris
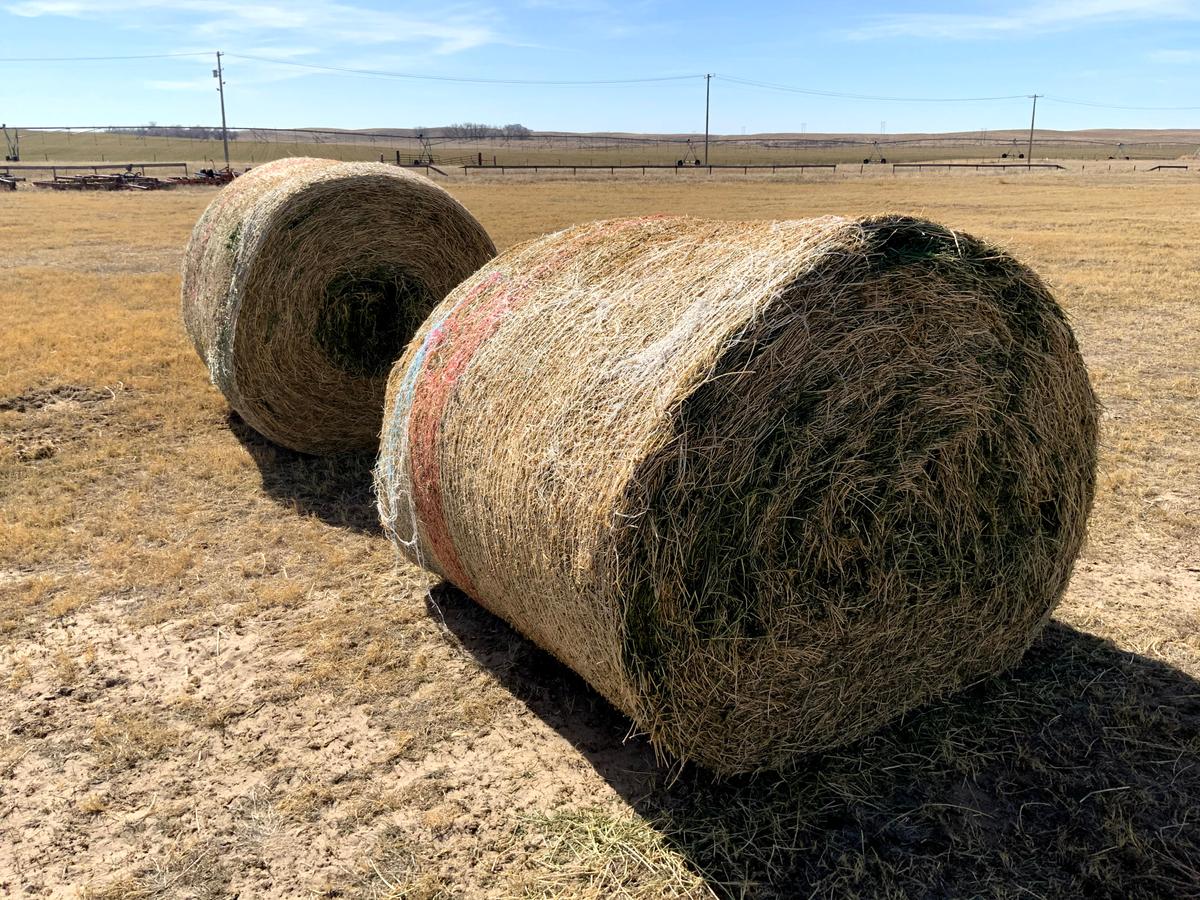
x: 304, y: 279
x: 766, y: 486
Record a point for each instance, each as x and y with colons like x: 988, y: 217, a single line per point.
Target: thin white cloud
x: 191, y: 84
x: 1175, y: 57
x: 570, y: 6
x: 243, y: 74
x: 1052, y: 15
x: 325, y: 21
x: 281, y: 52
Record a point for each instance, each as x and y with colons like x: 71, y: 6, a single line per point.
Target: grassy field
x: 215, y: 679
x: 61, y: 146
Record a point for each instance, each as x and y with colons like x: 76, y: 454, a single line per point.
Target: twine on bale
x: 765, y: 485
x: 303, y: 281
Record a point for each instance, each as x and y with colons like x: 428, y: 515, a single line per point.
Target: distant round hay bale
x: 303, y: 281
x: 765, y: 485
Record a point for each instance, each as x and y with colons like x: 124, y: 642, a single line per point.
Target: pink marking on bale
x: 452, y: 345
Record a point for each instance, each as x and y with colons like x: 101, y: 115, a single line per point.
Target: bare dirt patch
x: 39, y: 398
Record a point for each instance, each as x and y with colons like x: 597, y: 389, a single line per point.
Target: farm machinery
x: 12, y: 144
x: 876, y: 155
x: 130, y: 180
x: 206, y: 176
x: 121, y: 181
x: 12, y: 153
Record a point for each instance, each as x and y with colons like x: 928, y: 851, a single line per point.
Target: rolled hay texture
x: 766, y: 486
x: 303, y: 281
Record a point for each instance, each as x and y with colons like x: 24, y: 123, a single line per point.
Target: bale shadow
x: 1075, y: 774
x: 336, y: 489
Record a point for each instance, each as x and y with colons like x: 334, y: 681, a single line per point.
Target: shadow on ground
x: 336, y: 489
x: 1077, y: 774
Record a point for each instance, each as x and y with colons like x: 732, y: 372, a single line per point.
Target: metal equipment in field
x: 211, y: 176
x: 123, y: 181
x: 425, y: 157
x: 876, y: 155
x: 12, y: 144
x: 690, y: 158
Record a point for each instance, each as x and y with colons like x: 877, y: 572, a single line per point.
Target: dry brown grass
x: 592, y: 854
x: 198, y: 561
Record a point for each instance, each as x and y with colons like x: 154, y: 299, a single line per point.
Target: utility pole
x: 219, y: 75
x: 707, y: 86
x: 1032, y: 119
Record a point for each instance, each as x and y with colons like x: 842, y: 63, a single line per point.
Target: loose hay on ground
x: 765, y: 485
x: 303, y: 281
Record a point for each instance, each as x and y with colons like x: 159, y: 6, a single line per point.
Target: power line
x: 377, y: 73
x: 374, y: 73
x: 845, y: 96
x: 36, y: 59
x: 748, y: 82
x: 1110, y: 106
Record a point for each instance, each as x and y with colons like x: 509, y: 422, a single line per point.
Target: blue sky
x: 1115, y: 52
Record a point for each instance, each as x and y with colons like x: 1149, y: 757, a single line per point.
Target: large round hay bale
x: 765, y: 485
x: 303, y: 281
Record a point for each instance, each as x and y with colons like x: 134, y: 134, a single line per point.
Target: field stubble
x: 215, y: 679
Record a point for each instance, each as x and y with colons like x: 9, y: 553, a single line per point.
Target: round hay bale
x: 303, y: 281
x: 765, y: 485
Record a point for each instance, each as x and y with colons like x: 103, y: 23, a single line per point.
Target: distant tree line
x: 458, y: 131
x: 476, y: 131
x: 195, y: 132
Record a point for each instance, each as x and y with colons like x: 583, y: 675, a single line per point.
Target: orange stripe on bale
x: 451, y: 346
